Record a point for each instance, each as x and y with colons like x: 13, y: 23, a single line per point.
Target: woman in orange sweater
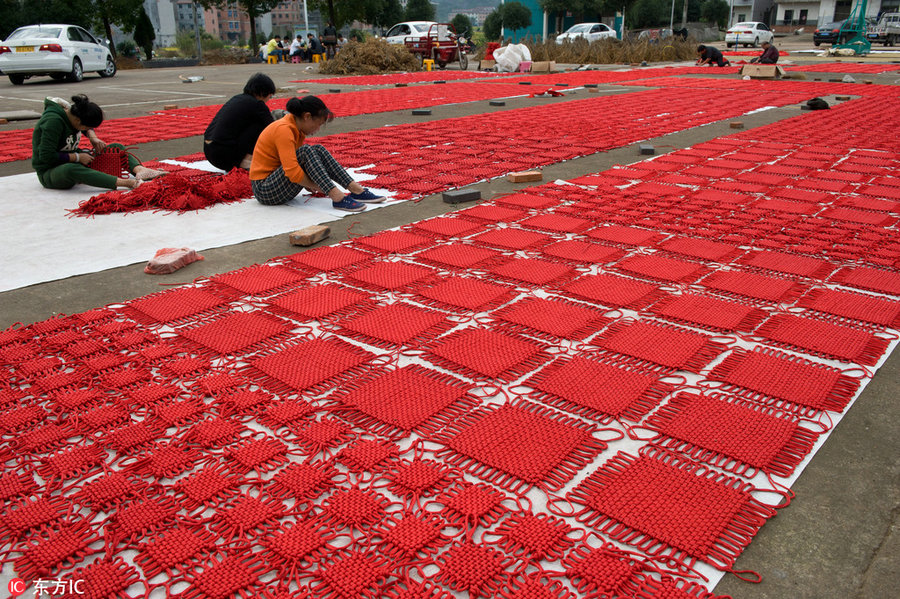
x: 283, y: 166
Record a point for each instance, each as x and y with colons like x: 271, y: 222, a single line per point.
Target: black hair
x: 310, y: 104
x: 260, y: 85
x: 87, y: 112
x: 701, y: 48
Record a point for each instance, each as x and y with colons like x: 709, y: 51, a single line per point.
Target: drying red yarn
x: 175, y: 192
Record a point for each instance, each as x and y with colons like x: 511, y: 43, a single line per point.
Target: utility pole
x: 197, y: 33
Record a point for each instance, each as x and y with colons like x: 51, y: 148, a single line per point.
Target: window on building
x: 803, y: 15
x: 842, y: 9
x: 788, y: 17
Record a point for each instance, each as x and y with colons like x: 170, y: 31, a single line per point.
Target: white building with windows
x: 799, y: 13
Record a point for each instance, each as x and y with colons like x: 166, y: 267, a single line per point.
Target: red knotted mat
x: 822, y: 338
x: 551, y: 318
x: 332, y: 258
x: 782, y: 377
x: 396, y: 324
x: 458, y: 255
x: 753, y: 285
x: 174, y: 305
x: 736, y: 436
x: 582, y: 251
x: 671, y: 508
x: 600, y: 389
x: 408, y: 399
x: 533, y: 271
x: 391, y: 276
x: 613, y: 290
x: 855, y: 306
x: 659, y: 343
x: 466, y: 293
x: 485, y: 353
x: 519, y: 446
x: 512, y: 239
x: 258, y: 279
x: 662, y: 268
x: 709, y: 312
x: 319, y: 302
x: 308, y: 365
x: 235, y: 332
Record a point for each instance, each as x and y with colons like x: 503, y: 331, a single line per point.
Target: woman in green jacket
x: 56, y: 157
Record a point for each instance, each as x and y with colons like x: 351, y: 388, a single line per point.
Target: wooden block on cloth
x: 421, y: 111
x: 737, y: 125
x: 497, y: 103
x: 525, y: 177
x: 309, y: 235
x: 170, y: 106
x: 647, y: 150
x: 458, y: 196
x: 842, y: 98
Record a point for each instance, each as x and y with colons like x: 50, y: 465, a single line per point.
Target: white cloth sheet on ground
x: 43, y: 242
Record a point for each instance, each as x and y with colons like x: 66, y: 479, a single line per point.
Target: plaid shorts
x: 317, y: 163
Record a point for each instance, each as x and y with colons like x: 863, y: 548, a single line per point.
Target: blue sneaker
x: 367, y: 196
x: 349, y: 205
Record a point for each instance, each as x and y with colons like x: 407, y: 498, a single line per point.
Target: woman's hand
x: 95, y: 141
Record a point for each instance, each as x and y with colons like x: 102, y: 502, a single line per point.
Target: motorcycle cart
x: 440, y: 44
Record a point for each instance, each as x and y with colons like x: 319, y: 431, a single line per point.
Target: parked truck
x: 886, y: 31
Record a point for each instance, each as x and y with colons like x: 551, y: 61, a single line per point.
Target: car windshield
x: 582, y: 28
x: 38, y: 32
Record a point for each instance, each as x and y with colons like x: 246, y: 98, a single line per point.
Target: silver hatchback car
x: 60, y: 51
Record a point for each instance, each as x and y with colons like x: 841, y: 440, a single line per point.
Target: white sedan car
x: 60, y: 51
x: 750, y: 33
x: 414, y: 30
x: 589, y: 31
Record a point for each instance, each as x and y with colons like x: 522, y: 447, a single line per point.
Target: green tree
x: 715, y: 11
x: 649, y: 13
x: 380, y: 13
x: 419, y: 10
x: 253, y: 9
x: 122, y: 13
x: 16, y: 13
x: 493, y: 26
x: 144, y: 34
x: 515, y: 16
x: 462, y: 24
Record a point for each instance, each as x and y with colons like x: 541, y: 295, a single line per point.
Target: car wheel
x: 755, y: 42
x: 17, y: 79
x: 77, y: 73
x: 441, y: 64
x: 729, y: 45
x: 110, y: 69
x: 817, y: 44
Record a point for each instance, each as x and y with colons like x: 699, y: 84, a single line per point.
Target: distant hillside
x: 447, y: 9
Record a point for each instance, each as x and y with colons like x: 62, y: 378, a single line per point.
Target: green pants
x: 66, y: 176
